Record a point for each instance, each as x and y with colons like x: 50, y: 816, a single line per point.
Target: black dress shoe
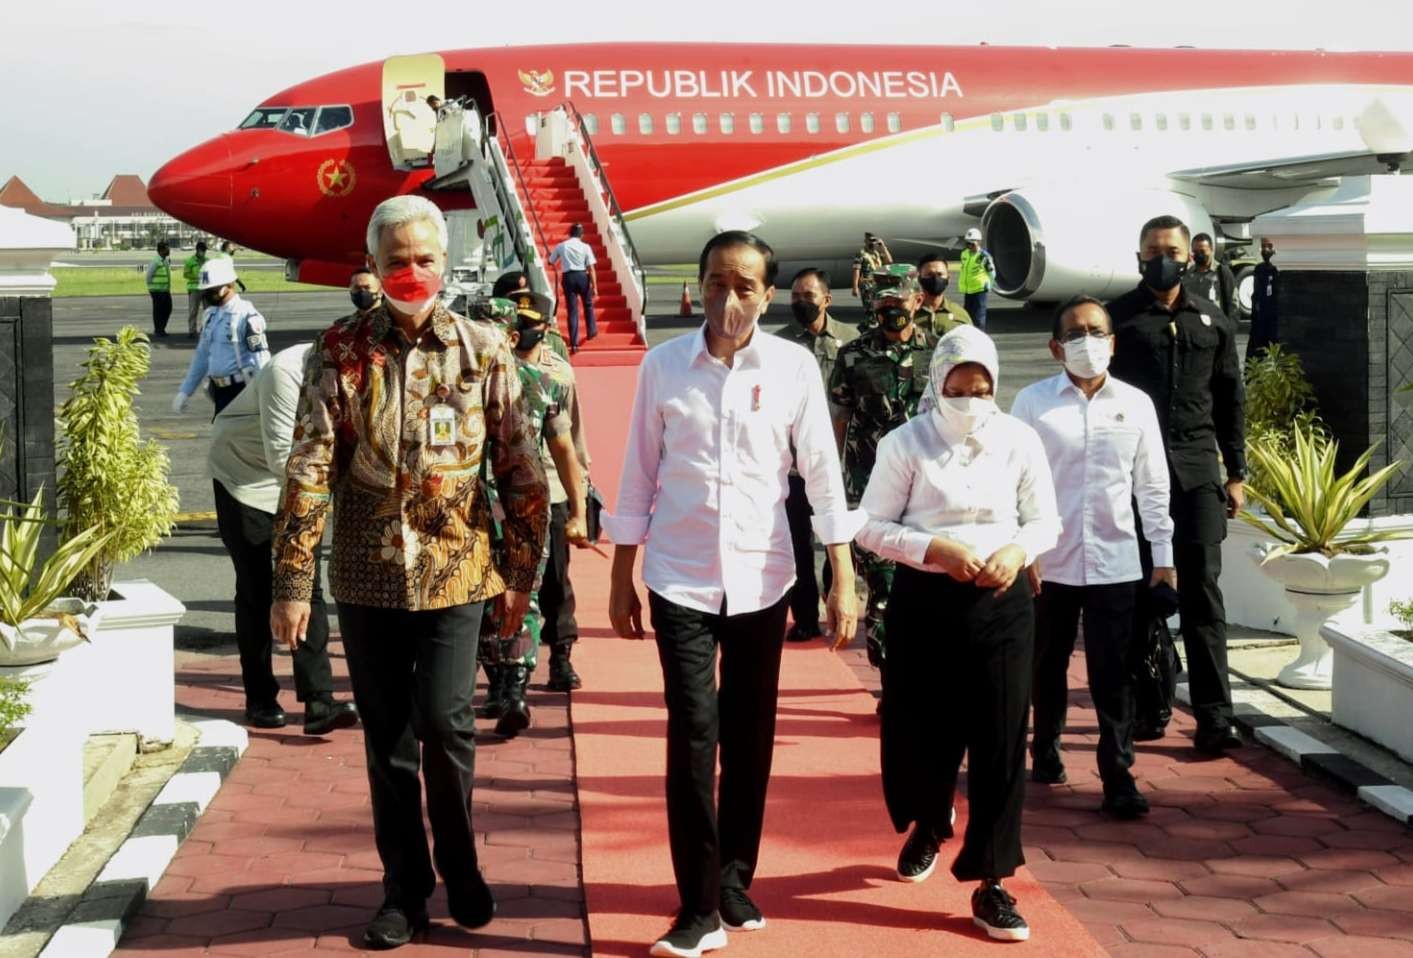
x: 1145, y: 732
x: 562, y: 677
x: 1217, y: 739
x: 919, y: 855
x: 322, y: 716
x: 1047, y: 769
x: 803, y: 633
x: 394, y: 925
x: 1125, y: 805
x: 269, y: 715
x: 470, y: 901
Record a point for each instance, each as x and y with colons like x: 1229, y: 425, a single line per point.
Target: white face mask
x: 1089, y: 357
x: 966, y: 413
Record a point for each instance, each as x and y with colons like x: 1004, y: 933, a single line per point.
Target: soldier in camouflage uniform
x: 509, y: 663
x: 871, y: 259
x: 877, y: 382
x: 890, y: 277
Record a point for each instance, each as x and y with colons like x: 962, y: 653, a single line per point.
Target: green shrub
x: 1279, y: 403
x: 13, y: 707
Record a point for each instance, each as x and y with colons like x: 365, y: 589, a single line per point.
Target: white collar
x: 747, y: 357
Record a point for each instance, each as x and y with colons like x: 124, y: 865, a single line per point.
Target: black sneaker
x: 470, y: 901
x: 1047, y: 768
x: 394, y: 925
x: 738, y: 912
x: 265, y: 715
x: 993, y: 909
x: 1125, y: 804
x: 691, y: 937
x: 322, y: 716
x: 919, y: 855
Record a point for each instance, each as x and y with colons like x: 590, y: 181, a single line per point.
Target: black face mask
x: 1201, y: 259
x: 362, y: 298
x: 213, y: 297
x: 1161, y: 273
x: 805, y: 313
x: 895, y: 319
x: 529, y: 339
x: 1267, y: 256
x: 933, y: 285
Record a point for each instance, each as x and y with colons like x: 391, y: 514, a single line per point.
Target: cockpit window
x: 299, y: 121
x: 264, y: 118
x: 333, y: 118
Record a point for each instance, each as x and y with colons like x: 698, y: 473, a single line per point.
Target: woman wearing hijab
x: 962, y: 500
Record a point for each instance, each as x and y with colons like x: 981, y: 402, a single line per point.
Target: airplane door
x: 409, y: 125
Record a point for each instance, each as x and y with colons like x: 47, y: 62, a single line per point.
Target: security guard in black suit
x: 1180, y: 349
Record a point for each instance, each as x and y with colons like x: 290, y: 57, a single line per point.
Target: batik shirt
x: 412, y: 523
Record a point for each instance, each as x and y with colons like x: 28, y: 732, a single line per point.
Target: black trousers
x: 1199, y: 526
x: 957, y: 679
x: 1108, y: 637
x: 556, y: 592
x: 804, y: 594
x: 221, y: 396
x: 161, y: 310
x: 246, y: 533
x: 577, y: 289
x: 413, y: 675
x: 715, y: 843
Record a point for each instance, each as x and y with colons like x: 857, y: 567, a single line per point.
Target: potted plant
x: 1322, y: 566
x: 109, y: 479
x: 1279, y: 403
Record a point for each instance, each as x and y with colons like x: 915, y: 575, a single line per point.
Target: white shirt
x: 574, y: 255
x: 705, y: 471
x: 251, y: 438
x: 985, y: 490
x: 1104, y: 452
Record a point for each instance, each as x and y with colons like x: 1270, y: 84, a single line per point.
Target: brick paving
x: 1242, y: 857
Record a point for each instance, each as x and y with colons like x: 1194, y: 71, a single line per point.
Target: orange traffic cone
x: 686, y: 309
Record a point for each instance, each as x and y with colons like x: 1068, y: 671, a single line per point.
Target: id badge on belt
x: 442, y: 419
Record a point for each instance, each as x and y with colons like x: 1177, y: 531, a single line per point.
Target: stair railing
x: 619, y: 224
x: 528, y: 237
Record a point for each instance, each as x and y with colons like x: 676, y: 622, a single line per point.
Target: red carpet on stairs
x: 826, y: 881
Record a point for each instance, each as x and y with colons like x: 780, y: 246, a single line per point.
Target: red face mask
x: 412, y: 288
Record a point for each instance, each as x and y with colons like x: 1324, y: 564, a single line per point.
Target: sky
x: 98, y: 88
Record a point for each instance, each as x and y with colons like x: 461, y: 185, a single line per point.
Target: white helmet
x: 217, y: 272
x: 972, y: 235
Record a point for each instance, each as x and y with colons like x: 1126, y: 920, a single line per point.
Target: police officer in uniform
x: 877, y: 382
x: 822, y: 335
x: 1209, y: 278
x: 1180, y: 349
x: 232, y: 347
x: 872, y: 258
x: 159, y: 287
x: 935, y: 312
x: 1265, y: 328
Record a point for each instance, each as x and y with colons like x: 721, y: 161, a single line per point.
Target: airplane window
x: 1065, y: 122
x: 1336, y: 122
x: 263, y: 118
x: 1042, y: 122
x: 1161, y: 121
x: 1184, y: 121
x: 757, y: 123
x: 299, y: 121
x: 1135, y: 122
x: 1228, y: 121
x: 699, y: 123
x: 998, y: 122
x: 1018, y: 122
x: 1206, y: 121
x: 591, y: 123
x: 895, y: 123
x: 532, y: 124
x: 948, y: 123
x: 674, y: 123
x: 1250, y: 121
x: 866, y: 122
x: 618, y: 124
x: 728, y: 123
x: 1295, y: 121
x: 812, y: 122
x: 782, y: 122
x: 1108, y: 121
x: 841, y: 122
x: 333, y: 118
x: 645, y: 123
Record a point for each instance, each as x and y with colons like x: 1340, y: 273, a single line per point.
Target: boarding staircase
x: 529, y: 186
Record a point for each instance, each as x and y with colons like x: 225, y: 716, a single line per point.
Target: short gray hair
x: 401, y: 210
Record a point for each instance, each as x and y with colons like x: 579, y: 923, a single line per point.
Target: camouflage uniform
x: 885, y: 278
x: 878, y: 383
x: 867, y: 263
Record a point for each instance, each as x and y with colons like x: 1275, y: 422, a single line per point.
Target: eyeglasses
x: 1075, y: 335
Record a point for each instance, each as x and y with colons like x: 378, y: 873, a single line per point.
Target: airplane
x: 1058, y: 155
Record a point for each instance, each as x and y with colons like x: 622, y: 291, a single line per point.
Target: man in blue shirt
x: 232, y: 347
x: 575, y: 259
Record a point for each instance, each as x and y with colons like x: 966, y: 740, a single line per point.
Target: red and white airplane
x: 1058, y: 154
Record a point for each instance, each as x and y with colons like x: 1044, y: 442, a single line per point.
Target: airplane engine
x: 1054, y: 242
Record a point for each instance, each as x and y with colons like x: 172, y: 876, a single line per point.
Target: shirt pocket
x: 1113, y: 446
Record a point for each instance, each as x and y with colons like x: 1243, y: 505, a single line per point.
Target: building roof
x: 127, y: 189
x: 17, y: 193
x: 125, y: 196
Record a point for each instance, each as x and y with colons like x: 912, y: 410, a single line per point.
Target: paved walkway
x: 1242, y: 856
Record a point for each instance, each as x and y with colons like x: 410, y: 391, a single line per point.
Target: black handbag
x: 593, y: 509
x: 1155, y: 668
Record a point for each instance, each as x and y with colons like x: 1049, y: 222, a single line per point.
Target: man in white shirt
x: 715, y: 419
x: 578, y: 281
x: 250, y: 442
x: 1106, y: 452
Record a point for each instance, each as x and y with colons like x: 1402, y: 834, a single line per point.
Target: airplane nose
x: 195, y: 187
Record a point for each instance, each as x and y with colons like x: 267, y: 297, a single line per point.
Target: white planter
x: 1373, y: 685
x: 65, y: 623
x: 132, y: 686
x: 1318, y: 588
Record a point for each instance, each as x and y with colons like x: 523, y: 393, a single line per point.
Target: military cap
x: 527, y: 300
x: 900, y: 288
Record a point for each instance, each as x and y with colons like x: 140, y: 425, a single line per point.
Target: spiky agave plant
x: 28, y: 588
